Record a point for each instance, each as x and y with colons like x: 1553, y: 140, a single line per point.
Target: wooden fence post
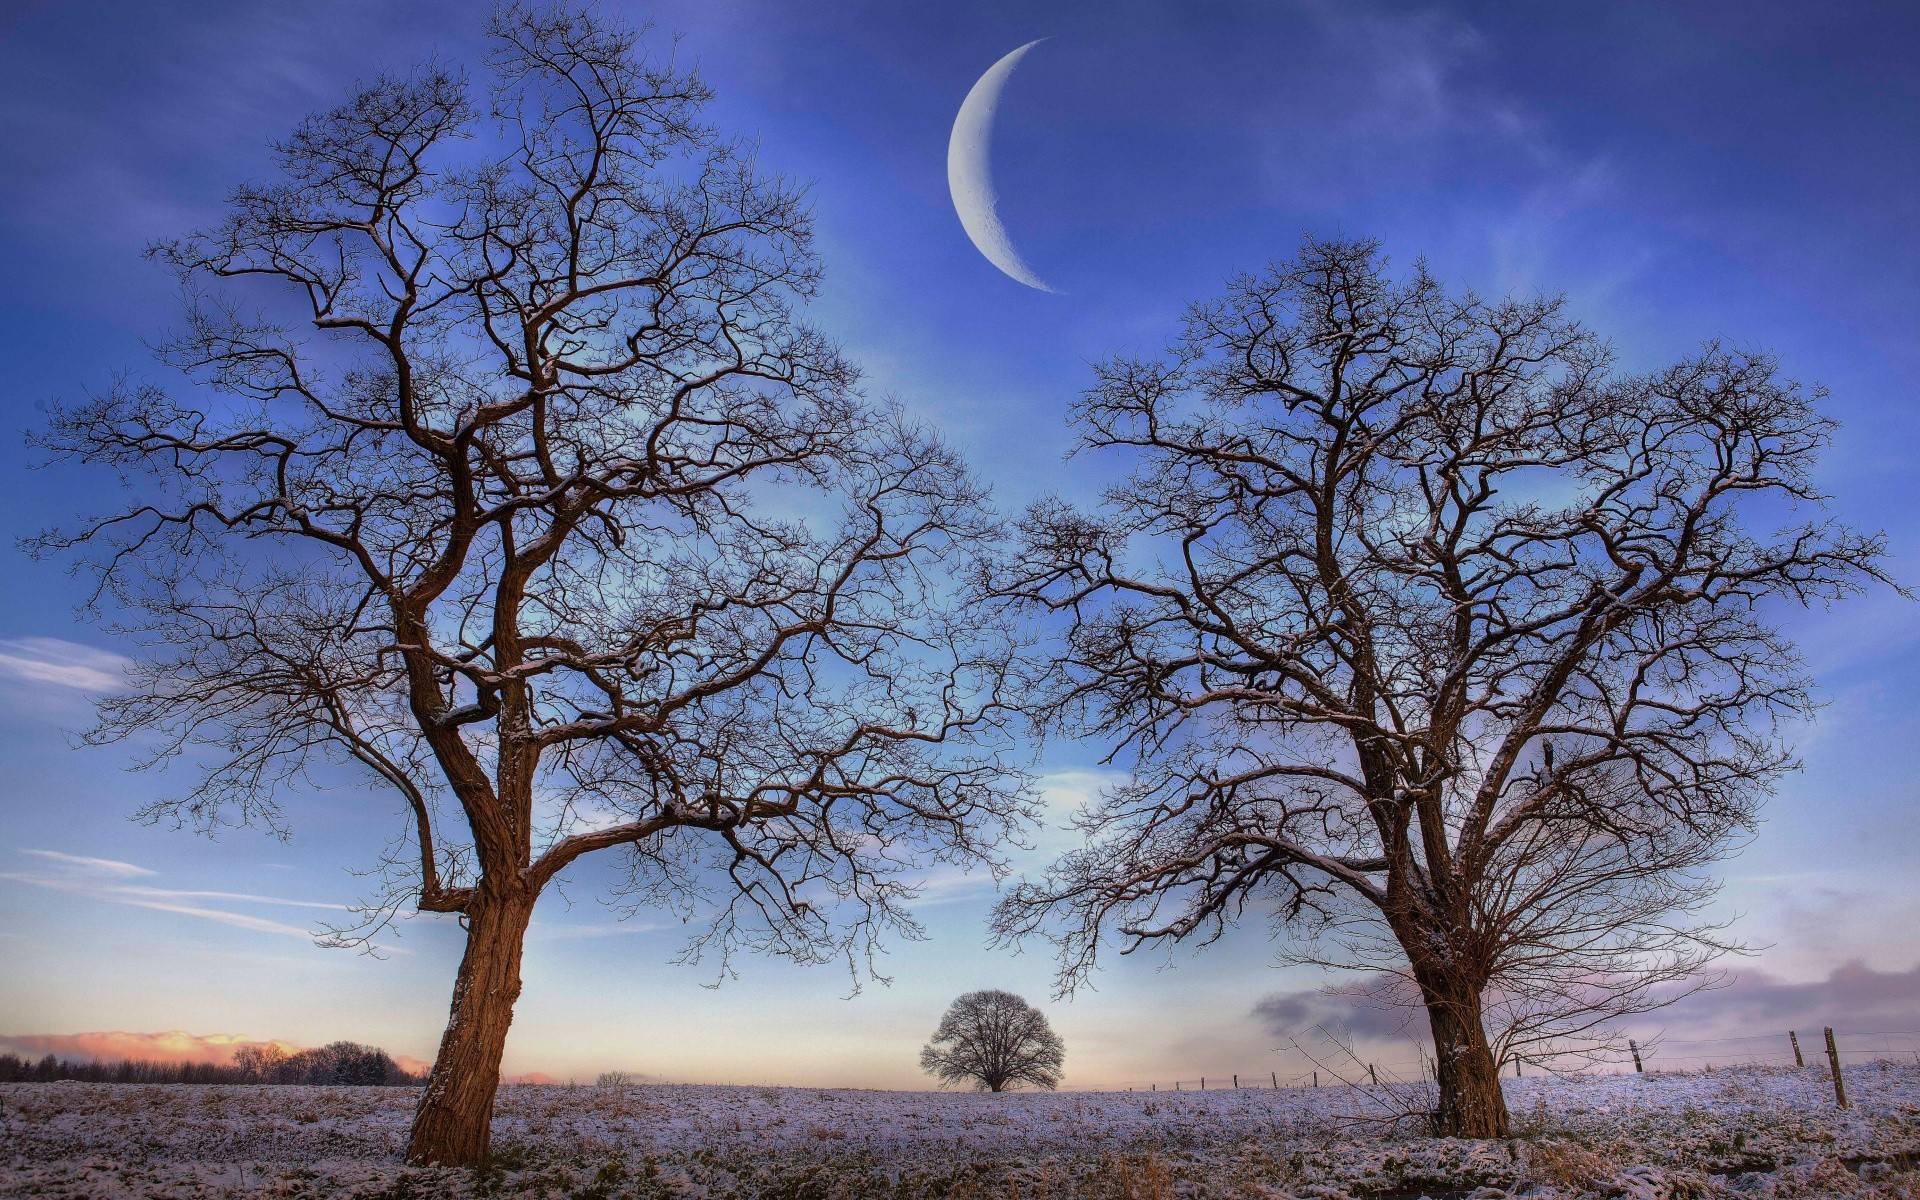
x: 1316, y: 1079
x: 1276, y: 1081
x: 1236, y: 1081
x: 1203, y: 1083
x: 1833, y: 1059
x: 1517, y: 1073
x: 1793, y: 1037
x: 1635, y: 1047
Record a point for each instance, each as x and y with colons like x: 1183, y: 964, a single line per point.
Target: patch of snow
x: 1749, y: 1132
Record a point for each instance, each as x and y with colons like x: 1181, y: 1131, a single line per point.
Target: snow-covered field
x: 1752, y: 1132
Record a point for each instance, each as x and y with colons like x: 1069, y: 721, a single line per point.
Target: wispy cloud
x: 1389, y: 96
x: 951, y: 885
x: 99, y: 866
x: 1066, y: 792
x: 106, y: 879
x: 46, y: 662
x: 246, y: 897
x: 549, y: 931
x: 237, y: 920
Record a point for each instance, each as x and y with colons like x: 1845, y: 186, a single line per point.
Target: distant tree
x: 259, y: 1062
x: 350, y: 1064
x: 994, y: 1040
x: 1431, y: 635
x: 518, y: 484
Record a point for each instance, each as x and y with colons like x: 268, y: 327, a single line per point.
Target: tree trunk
x: 1471, y: 1102
x: 453, y: 1126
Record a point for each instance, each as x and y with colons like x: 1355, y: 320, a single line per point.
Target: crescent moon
x: 970, y: 171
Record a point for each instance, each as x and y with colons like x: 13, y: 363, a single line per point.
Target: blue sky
x: 1679, y: 171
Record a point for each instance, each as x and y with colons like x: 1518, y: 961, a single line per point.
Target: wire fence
x: 1342, y: 1066
x: 1787, y: 1049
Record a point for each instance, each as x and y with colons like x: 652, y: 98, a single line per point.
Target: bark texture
x: 454, y: 1123
x: 1470, y: 1103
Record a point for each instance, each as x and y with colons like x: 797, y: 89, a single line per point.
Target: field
x: 1760, y: 1131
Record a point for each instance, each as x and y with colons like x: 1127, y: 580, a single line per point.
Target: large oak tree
x: 514, y: 480
x: 1431, y: 634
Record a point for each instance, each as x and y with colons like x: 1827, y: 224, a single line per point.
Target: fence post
x: 1371, y: 1074
x: 1236, y: 1081
x: 1635, y: 1047
x: 1833, y: 1058
x: 1517, y: 1073
x: 1795, y: 1039
x: 1203, y: 1083
x: 1316, y: 1079
x: 1153, y: 1087
x: 1276, y: 1081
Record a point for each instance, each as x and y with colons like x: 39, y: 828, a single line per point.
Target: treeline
x: 338, y: 1064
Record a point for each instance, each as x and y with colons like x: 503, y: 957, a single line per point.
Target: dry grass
x: 1570, y: 1166
x: 1667, y: 1137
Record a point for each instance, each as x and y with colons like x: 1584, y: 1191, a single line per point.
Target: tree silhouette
x: 517, y: 483
x: 1430, y: 634
x: 994, y: 1040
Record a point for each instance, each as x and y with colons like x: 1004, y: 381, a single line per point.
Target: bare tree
x: 1431, y: 635
x: 994, y: 1040
x: 516, y: 482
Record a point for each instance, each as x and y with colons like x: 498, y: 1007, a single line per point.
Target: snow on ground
x: 1742, y: 1132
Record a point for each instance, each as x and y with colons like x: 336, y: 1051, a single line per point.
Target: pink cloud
x: 1853, y: 997
x: 172, y: 1047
